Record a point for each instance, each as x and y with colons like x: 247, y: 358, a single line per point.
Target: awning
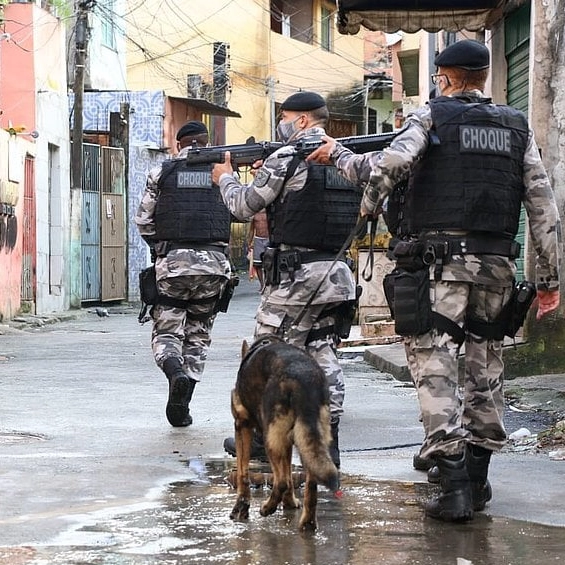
x: 207, y: 107
x: 390, y: 16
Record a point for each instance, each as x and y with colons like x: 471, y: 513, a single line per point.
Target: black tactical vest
x: 472, y: 176
x: 320, y: 215
x: 189, y: 208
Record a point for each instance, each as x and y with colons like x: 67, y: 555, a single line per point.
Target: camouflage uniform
x: 282, y: 303
x: 470, y: 284
x: 185, y: 274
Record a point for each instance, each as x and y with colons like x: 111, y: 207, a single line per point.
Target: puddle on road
x: 374, y: 523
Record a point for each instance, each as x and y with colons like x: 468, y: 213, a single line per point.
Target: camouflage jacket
x: 178, y: 262
x: 244, y: 201
x: 381, y: 171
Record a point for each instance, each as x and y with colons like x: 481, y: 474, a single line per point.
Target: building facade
x: 33, y: 98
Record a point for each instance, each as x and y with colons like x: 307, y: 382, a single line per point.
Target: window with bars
x: 326, y: 38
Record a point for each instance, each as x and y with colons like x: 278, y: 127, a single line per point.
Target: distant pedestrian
x: 187, y: 226
x: 470, y: 164
x: 257, y: 240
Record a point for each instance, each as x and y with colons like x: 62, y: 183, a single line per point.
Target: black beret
x: 191, y: 128
x: 467, y: 54
x: 303, y: 102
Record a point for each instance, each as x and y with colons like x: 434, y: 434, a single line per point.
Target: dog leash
x: 359, y: 228
x: 367, y: 272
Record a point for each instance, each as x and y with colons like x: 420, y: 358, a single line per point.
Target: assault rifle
x: 247, y: 153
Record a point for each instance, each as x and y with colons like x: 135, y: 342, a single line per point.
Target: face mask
x: 285, y: 130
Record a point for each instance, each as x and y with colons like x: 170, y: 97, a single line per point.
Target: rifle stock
x: 248, y: 153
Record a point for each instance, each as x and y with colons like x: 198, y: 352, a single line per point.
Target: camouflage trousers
x: 455, y: 410
x: 184, y: 333
x: 277, y: 319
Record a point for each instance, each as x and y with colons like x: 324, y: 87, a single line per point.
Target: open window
x: 293, y: 18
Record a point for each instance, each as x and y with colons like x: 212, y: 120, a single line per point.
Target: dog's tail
x: 312, y: 440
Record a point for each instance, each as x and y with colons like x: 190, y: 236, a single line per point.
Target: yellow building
x: 248, y: 55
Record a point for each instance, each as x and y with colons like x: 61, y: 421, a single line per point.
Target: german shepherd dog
x: 282, y: 393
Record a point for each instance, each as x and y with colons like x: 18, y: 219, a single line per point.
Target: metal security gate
x: 29, y: 238
x: 90, y: 224
x: 517, y: 51
x: 103, y: 224
x: 113, y: 253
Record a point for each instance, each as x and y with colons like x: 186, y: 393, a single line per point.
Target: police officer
x: 306, y: 230
x: 470, y: 164
x: 188, y: 227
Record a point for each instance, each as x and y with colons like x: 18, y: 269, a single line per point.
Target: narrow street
x: 93, y: 474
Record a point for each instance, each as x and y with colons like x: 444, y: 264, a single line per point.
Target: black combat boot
x: 478, y: 459
x: 422, y: 463
x: 433, y: 475
x: 257, y: 447
x: 454, y: 504
x: 334, y: 445
x: 426, y: 464
x: 180, y: 393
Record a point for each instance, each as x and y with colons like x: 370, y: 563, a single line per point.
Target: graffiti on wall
x: 8, y: 221
x: 8, y: 232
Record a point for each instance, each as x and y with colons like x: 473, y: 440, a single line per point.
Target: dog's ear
x: 244, y: 348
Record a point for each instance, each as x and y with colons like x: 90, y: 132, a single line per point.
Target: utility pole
x: 220, y: 83
x: 81, y: 50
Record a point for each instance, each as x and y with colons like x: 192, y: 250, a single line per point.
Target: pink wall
x: 17, y: 80
x: 11, y: 257
x: 17, y: 101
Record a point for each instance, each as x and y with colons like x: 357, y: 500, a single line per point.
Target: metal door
x: 29, y: 238
x: 112, y: 208
x: 90, y: 224
x: 517, y: 51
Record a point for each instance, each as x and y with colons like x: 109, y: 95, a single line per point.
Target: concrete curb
x: 389, y: 359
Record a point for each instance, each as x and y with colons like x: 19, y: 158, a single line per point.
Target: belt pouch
x: 270, y: 266
x: 412, y: 306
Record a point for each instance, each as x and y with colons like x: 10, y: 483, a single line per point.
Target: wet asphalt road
x: 92, y: 473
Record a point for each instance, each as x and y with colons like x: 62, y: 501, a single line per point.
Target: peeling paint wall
x: 547, y: 115
x: 13, y: 150
x: 545, y: 352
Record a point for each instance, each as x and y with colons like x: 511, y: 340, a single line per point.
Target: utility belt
x: 440, y: 249
x: 163, y: 247
x: 437, y: 250
x: 150, y: 296
x: 407, y: 287
x: 277, y: 261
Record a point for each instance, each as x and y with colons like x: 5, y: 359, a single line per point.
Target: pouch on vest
x: 412, y: 310
x: 409, y: 255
